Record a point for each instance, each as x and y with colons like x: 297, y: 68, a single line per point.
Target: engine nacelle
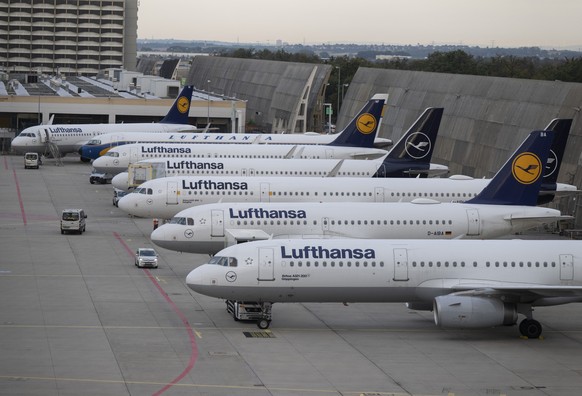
x: 464, y: 312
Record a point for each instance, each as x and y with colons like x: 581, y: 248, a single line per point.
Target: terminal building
x: 80, y: 37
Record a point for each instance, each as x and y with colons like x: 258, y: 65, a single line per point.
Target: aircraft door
x: 265, y: 192
x: 474, y: 222
x: 378, y: 194
x: 172, y: 193
x: 266, y: 264
x: 44, y: 135
x: 133, y: 155
x: 217, y: 225
x: 566, y: 267
x: 400, y: 264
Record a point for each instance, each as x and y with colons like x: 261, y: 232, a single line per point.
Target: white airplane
x: 392, y: 164
x: 468, y: 284
x: 69, y: 138
x: 165, y: 197
x: 209, y: 228
x: 360, y: 132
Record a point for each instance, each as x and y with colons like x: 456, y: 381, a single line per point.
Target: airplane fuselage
x: 165, y: 197
x: 352, y: 270
x: 209, y: 228
x: 69, y: 138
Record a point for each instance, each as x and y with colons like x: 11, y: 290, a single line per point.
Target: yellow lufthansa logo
x: 366, y: 123
x: 183, y: 104
x: 526, y: 168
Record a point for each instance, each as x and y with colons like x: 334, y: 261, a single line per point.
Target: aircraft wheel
x: 530, y: 328
x: 263, y: 324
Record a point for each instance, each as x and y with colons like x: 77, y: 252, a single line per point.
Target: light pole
x: 208, y: 102
x: 339, y: 78
x: 329, y: 111
x: 344, y: 85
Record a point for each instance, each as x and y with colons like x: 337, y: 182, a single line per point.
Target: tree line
x: 456, y: 62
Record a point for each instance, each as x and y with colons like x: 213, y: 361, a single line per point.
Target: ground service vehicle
x: 31, y: 160
x: 73, y: 220
x: 146, y: 257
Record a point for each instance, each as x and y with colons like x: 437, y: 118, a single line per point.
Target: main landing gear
x: 529, y: 327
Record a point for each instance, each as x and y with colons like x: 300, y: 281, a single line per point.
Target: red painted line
x: 193, y: 346
x: 19, y: 197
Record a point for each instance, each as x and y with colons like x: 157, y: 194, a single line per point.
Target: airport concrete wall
x: 484, y: 120
x: 281, y: 96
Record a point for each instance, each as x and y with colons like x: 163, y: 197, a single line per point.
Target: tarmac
x: 78, y: 318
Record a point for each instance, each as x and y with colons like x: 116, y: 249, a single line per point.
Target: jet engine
x: 465, y: 312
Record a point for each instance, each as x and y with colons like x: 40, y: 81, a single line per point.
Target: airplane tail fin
x: 178, y: 113
x: 519, y: 180
x: 362, y: 130
x: 417, y: 144
x: 561, y: 128
x: 411, y: 155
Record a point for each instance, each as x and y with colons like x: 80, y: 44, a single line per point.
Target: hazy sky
x: 503, y: 23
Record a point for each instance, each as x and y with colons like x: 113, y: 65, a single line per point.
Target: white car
x: 146, y: 257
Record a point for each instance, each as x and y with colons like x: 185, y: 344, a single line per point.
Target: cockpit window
x: 223, y: 261
x: 112, y: 154
x: 143, y: 190
x: 178, y: 220
x: 94, y: 142
x: 190, y: 221
x: 27, y: 134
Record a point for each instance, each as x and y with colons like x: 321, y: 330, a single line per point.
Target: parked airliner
x: 399, y: 162
x: 69, y: 138
x: 209, y: 228
x: 164, y: 197
x: 468, y: 284
x: 360, y: 132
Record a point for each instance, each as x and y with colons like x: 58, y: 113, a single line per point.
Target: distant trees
x: 568, y: 69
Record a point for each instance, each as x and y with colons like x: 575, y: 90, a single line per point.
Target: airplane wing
x: 509, y: 291
x: 367, y: 155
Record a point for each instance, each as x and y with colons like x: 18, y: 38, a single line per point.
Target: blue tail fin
x: 561, y: 128
x: 362, y: 130
x: 518, y: 182
x: 178, y: 113
x: 411, y: 155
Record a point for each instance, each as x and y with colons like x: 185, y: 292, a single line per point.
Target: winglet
x: 519, y: 180
x: 178, y: 113
x: 362, y: 130
x: 411, y: 155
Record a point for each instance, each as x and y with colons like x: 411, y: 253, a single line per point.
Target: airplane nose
x: 120, y: 181
x: 194, y: 279
x: 101, y: 164
x: 125, y: 203
x: 158, y: 236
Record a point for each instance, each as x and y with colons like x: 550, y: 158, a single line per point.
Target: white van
x: 73, y: 220
x: 31, y: 160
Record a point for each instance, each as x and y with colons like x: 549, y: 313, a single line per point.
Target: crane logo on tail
x: 552, y: 164
x: 526, y: 168
x: 183, y: 104
x: 366, y: 123
x: 417, y: 145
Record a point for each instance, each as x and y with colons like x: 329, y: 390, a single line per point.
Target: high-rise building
x: 67, y: 36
